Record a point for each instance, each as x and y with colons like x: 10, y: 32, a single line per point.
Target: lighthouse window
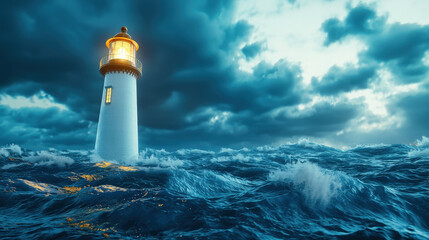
x: 108, y: 95
x: 122, y: 50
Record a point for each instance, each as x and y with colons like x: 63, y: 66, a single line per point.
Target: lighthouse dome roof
x: 123, y: 33
x: 122, y: 36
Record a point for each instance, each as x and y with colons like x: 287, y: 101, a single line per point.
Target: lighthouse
x: 117, y: 131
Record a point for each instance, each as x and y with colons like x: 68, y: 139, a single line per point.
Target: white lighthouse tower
x: 117, y: 132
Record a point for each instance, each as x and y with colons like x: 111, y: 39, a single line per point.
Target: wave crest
x: 45, y: 158
x: 10, y: 149
x: 318, y: 185
x: 423, y: 148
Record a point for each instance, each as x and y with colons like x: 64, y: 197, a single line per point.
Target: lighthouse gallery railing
x: 129, y: 60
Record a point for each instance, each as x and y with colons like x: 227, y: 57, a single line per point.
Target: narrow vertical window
x: 108, y: 95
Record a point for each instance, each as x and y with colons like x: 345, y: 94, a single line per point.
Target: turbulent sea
x: 300, y: 190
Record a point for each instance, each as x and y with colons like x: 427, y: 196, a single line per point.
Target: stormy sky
x: 220, y: 73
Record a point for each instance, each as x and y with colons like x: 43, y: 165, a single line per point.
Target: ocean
x: 301, y: 190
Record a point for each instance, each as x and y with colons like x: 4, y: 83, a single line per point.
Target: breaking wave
x: 316, y: 184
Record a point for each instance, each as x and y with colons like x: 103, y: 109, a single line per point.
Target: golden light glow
x: 122, y: 39
x: 108, y: 95
x: 121, y: 53
x: 122, y: 48
x: 87, y: 177
x: 87, y: 226
x: 71, y: 189
x: 110, y: 165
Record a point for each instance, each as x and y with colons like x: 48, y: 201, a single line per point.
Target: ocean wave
x: 198, y: 152
x: 424, y: 142
x: 160, y: 161
x: 236, y: 157
x: 12, y: 165
x: 205, y: 184
x: 318, y: 185
x: 160, y: 158
x: 419, y: 153
x: 422, y: 149
x: 11, y: 149
x: 297, y: 190
x: 41, y: 187
x: 45, y: 158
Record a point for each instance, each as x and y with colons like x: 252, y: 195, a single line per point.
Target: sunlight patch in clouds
x: 293, y: 32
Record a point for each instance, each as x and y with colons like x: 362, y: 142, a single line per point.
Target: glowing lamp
x: 122, y: 53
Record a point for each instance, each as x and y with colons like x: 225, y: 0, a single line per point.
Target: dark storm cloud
x: 402, y: 47
x: 251, y: 50
x: 44, y: 127
x: 270, y: 86
x: 246, y: 129
x: 50, y: 46
x: 360, y: 20
x: 344, y: 79
x: 191, y: 91
x: 414, y: 107
x: 27, y: 89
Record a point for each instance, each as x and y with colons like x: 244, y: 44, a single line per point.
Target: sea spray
x: 318, y: 185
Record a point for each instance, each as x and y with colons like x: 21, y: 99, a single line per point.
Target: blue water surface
x: 295, y: 191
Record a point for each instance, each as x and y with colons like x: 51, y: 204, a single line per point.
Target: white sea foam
x: 3, y: 152
x: 318, y: 185
x: 320, y: 143
x: 160, y: 161
x: 148, y: 156
x: 423, y: 148
x: 161, y: 158
x: 81, y: 152
x: 222, y: 150
x: 423, y: 143
x: 12, y: 165
x: 419, y: 153
x: 15, y: 149
x: 230, y: 150
x: 304, y: 142
x: 45, y: 158
x: 376, y: 145
x: 266, y: 148
x: 95, y: 158
x: 236, y: 157
x: 193, y: 151
x: 11, y: 148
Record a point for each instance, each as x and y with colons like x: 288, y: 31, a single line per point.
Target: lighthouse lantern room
x: 117, y: 131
